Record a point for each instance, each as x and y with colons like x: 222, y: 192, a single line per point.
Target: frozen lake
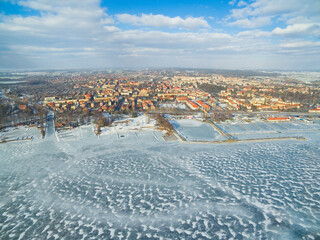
x: 139, y: 186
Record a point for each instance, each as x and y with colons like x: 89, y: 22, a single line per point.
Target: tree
x: 42, y: 131
x: 4, y: 110
x: 103, y: 121
x: 81, y: 119
x: 134, y: 114
x: 98, y: 131
x: 223, y: 117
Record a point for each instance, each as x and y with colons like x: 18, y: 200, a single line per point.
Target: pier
x: 222, y: 132
x: 16, y: 140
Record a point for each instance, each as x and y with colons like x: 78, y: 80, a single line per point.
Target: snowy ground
x: 173, y: 105
x: 123, y: 127
x: 139, y: 186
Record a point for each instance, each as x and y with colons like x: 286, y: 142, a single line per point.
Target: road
x: 50, y: 124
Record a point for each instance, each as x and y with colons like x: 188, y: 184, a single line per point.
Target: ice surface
x: 139, y: 186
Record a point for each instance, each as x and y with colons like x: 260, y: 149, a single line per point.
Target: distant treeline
x: 224, y: 72
x: 229, y: 73
x: 239, y: 73
x: 4, y: 110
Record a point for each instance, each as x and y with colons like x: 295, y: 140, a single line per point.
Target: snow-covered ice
x: 139, y: 186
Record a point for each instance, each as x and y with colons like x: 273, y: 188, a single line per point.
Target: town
x: 101, y: 97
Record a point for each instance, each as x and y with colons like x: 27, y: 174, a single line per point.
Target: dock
x: 182, y: 139
x: 16, y: 140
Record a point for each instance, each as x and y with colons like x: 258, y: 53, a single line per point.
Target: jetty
x: 4, y: 140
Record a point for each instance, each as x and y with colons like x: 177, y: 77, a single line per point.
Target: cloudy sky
x: 234, y: 34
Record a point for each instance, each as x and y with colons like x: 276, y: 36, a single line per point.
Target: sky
x: 234, y: 34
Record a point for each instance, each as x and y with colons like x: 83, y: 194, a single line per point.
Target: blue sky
x: 234, y: 34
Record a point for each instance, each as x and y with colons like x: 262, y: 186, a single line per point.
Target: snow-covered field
x: 194, y: 130
x: 256, y: 130
x: 140, y: 187
x: 20, y: 133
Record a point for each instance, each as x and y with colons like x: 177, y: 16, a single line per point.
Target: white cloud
x: 75, y: 34
x: 300, y: 49
x: 299, y: 30
x: 252, y: 23
x: 275, y: 7
x: 278, y: 7
x: 283, y: 10
x: 241, y: 3
x: 174, y: 41
x: 106, y: 20
x: 57, y: 5
x: 300, y: 44
x: 70, y: 18
x: 254, y: 34
x: 232, y: 2
x: 301, y: 19
x: 222, y: 48
x: 112, y: 29
x: 162, y: 21
x: 27, y: 49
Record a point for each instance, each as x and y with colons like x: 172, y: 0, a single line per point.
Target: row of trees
x: 221, y: 116
x: 164, y: 123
